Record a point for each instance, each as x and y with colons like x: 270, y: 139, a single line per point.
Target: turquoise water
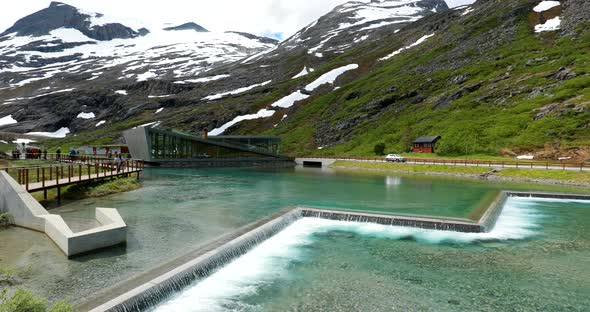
x: 536, y: 259
x: 177, y: 211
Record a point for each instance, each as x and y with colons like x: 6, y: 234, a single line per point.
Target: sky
x: 276, y: 18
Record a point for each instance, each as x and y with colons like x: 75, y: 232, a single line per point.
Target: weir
x: 209, y: 259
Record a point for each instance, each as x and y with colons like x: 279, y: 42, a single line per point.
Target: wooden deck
x: 45, y: 185
x: 72, y: 171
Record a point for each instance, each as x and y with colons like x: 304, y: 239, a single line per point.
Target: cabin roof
x: 427, y: 139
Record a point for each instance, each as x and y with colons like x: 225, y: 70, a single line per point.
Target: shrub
x: 22, y: 301
x: 61, y: 306
x: 4, y: 218
x: 379, y: 149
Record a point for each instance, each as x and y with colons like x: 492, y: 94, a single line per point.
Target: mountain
x: 59, y: 15
x: 496, y: 77
x: 188, y: 26
x: 254, y: 37
x: 65, y: 48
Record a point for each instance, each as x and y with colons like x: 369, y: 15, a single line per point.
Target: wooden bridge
x: 72, y: 170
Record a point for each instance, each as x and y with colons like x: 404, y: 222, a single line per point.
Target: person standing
x: 44, y: 154
x: 58, y: 154
x: 118, y: 162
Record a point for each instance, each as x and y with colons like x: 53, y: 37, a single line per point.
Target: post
x: 27, y: 178
x: 79, y: 172
x: 58, y: 195
x: 43, y: 183
x: 70, y: 174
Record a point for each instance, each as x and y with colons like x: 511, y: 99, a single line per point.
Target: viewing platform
x: 72, y: 170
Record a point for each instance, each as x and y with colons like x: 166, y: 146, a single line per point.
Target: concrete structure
x: 314, y: 162
x: 145, y: 291
x: 28, y: 213
x: 171, y: 148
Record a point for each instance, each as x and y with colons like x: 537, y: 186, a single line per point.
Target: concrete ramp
x: 28, y: 213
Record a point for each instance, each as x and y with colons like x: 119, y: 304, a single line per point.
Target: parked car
x: 395, y: 158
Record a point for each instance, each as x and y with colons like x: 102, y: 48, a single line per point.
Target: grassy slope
x: 519, y: 174
x: 410, y: 168
x: 479, y: 122
x: 557, y: 175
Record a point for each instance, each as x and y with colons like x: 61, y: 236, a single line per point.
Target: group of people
x: 30, y: 153
x: 37, y: 153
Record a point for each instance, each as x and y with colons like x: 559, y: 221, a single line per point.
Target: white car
x: 395, y: 158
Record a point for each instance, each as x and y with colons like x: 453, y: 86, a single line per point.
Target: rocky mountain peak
x: 59, y: 15
x: 355, y: 22
x: 187, y: 26
x: 254, y: 37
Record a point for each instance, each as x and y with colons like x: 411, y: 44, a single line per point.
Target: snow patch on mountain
x: 418, y: 42
x: 202, y: 80
x: 290, y: 100
x: 234, y: 92
x: 304, y: 72
x: 330, y: 77
x: 263, y: 113
x: 86, y: 115
x: 546, y: 5
x: 8, y: 120
x: 59, y: 134
x: 551, y: 25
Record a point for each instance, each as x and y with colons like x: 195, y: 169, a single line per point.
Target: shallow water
x: 537, y: 258
x: 178, y: 210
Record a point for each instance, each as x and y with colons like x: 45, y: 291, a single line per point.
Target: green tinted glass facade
x: 174, y: 145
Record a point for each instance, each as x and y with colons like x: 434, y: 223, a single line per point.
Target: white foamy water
x: 269, y: 262
x: 263, y: 265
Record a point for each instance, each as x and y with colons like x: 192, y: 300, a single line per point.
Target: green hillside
x: 488, y: 84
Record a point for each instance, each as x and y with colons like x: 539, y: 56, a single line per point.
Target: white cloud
x: 254, y: 16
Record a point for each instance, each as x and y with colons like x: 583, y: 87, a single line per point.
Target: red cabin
x: 425, y: 144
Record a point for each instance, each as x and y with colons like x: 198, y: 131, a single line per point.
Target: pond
x: 178, y: 210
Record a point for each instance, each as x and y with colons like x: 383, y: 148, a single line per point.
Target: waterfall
x: 205, y: 265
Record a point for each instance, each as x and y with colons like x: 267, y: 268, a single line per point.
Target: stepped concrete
x: 26, y: 212
x: 148, y: 289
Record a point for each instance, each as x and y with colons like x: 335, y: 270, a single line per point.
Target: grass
x: 90, y: 189
x: 556, y: 175
x: 31, y: 163
x: 411, y: 168
x: 21, y: 300
x: 493, y: 119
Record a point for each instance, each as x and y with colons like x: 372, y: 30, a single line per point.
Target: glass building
x: 153, y: 145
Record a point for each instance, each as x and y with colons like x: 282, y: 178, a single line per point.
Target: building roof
x: 427, y: 139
